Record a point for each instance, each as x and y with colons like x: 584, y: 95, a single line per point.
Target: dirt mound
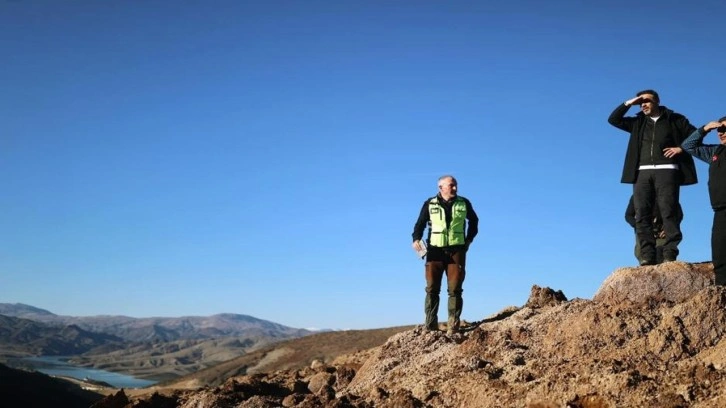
x: 662, y: 350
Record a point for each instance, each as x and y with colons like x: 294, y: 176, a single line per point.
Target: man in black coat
x: 656, y: 167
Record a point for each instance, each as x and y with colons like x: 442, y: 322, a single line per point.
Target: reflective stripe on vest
x: 441, y: 236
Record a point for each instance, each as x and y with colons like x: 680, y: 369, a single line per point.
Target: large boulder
x: 670, y: 281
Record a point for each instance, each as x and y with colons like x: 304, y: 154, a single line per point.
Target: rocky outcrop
x: 670, y: 281
x: 542, y: 297
x: 659, y: 346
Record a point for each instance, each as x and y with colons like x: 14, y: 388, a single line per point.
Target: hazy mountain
x: 24, y: 311
x: 158, y: 348
x: 23, y: 336
x: 161, y: 329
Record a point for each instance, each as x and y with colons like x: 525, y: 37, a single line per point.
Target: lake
x: 55, y: 365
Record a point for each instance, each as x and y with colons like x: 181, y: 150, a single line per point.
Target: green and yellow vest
x: 441, y: 235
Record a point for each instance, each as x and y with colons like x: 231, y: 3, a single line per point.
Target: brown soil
x: 651, y: 337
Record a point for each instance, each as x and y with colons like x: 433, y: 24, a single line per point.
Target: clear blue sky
x: 170, y: 158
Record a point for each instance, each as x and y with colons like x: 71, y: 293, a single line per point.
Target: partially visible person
x: 656, y: 168
x: 715, y: 156
x: 446, y: 214
x: 658, y: 232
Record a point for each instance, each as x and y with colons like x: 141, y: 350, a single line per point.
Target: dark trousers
x: 453, y: 263
x: 661, y: 186
x: 658, y: 249
x: 718, y: 246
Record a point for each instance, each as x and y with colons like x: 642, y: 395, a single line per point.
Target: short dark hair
x: 722, y: 119
x: 652, y: 92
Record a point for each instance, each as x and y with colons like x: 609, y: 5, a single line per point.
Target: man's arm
x: 473, y: 227
x: 684, y: 128
x: 695, y: 147
x: 618, y: 119
x: 420, y: 226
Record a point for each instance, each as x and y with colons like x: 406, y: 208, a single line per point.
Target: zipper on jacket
x: 652, y: 144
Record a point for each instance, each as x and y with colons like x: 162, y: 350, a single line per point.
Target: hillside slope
x: 291, y: 354
x: 20, y: 388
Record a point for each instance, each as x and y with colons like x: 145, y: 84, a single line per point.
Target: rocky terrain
x: 650, y: 337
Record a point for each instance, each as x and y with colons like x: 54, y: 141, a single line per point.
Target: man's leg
x: 659, y: 242
x: 643, y: 199
x: 434, y: 273
x: 636, y: 250
x: 718, y: 246
x: 455, y: 274
x: 667, y: 191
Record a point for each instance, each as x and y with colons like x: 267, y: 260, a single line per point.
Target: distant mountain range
x: 160, y: 329
x: 154, y: 347
x: 24, y: 336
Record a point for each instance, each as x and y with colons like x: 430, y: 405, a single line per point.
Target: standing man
x: 446, y: 215
x: 715, y: 156
x: 656, y: 168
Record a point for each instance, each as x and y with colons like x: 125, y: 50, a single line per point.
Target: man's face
x: 722, y: 134
x: 648, y: 104
x: 447, y: 187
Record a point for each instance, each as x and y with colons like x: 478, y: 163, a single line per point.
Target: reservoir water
x: 57, y: 366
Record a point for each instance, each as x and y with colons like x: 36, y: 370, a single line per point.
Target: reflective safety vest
x: 441, y: 235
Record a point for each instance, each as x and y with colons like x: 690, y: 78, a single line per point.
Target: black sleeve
x: 473, y: 227
x: 618, y: 119
x: 685, y: 128
x: 423, y: 219
x: 630, y: 213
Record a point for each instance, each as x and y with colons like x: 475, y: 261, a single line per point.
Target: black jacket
x: 717, y: 178
x: 678, y: 129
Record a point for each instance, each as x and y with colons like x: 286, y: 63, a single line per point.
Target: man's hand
x: 634, y: 101
x: 418, y: 245
x: 672, y: 151
x: 713, y: 125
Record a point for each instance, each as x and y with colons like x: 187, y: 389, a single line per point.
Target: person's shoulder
x: 673, y: 115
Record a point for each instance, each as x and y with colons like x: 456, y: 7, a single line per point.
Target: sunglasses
x: 721, y: 129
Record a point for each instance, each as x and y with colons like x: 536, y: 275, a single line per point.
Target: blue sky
x: 171, y: 158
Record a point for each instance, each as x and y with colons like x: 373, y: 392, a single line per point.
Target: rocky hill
x: 650, y: 337
x: 290, y: 354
